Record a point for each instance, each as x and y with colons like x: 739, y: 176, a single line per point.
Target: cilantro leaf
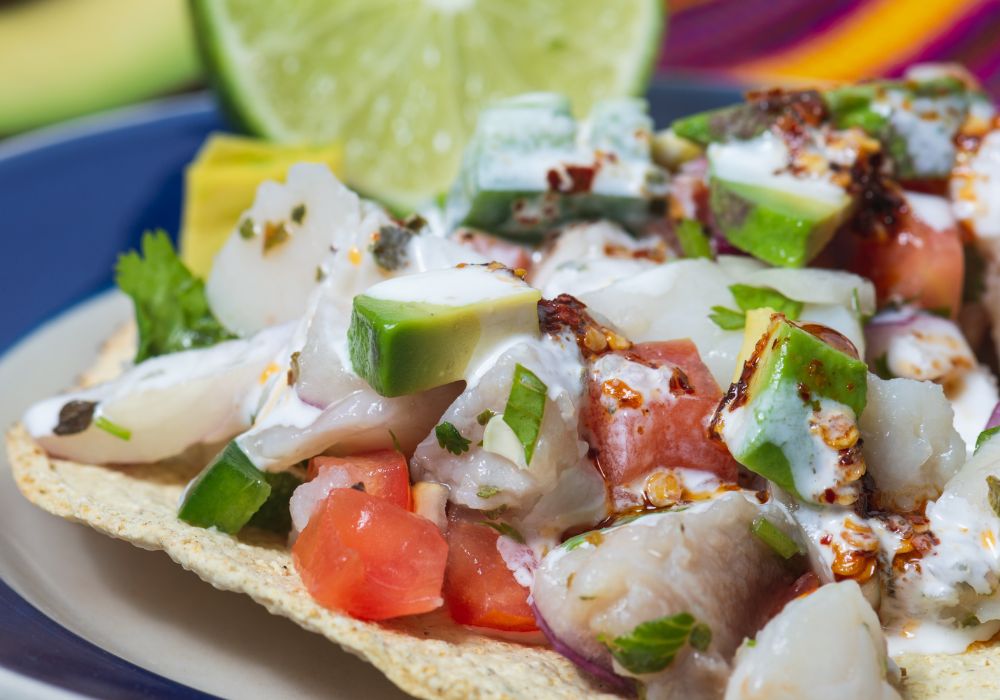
x: 525, y: 408
x: 506, y: 529
x: 450, y: 439
x: 727, y: 319
x: 993, y: 486
x: 171, y: 310
x: 488, y: 491
x: 985, y: 436
x: 748, y: 298
x: 652, y: 645
x: 693, y: 240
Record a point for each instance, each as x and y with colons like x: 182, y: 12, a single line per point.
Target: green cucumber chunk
x: 227, y: 493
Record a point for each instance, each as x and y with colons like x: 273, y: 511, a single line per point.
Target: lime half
x: 398, y: 83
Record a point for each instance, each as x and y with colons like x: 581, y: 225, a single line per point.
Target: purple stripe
x: 957, y: 42
x: 721, y: 34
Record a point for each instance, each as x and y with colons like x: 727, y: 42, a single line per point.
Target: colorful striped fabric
x: 787, y: 41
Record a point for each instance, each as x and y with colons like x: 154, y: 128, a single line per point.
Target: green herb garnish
x: 652, y: 645
x: 484, y: 417
x: 748, y: 298
x: 119, y: 431
x: 774, y: 537
x: 171, y: 310
x: 488, y: 491
x: 299, y: 213
x: 727, y: 319
x: 525, y: 409
x: 993, y: 486
x: 450, y: 439
x: 247, y: 229
x: 389, y: 249
x: 985, y: 436
x: 505, y: 529
x: 693, y: 239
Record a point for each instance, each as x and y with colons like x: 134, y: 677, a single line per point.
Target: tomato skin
x: 479, y: 589
x: 631, y: 442
x: 917, y: 264
x: 383, y: 472
x: 370, y: 558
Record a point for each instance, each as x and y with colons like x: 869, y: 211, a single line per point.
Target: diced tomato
x: 370, y: 558
x: 510, y: 254
x: 635, y: 439
x: 384, y: 473
x: 917, y: 264
x: 478, y: 587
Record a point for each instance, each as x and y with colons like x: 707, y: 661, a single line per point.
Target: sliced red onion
x: 994, y: 420
x: 618, y: 683
x: 887, y: 325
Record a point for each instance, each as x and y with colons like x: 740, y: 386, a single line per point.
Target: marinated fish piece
x: 163, y: 406
x: 599, y: 587
x: 827, y: 645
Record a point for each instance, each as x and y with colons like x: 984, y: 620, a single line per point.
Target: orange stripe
x: 880, y: 34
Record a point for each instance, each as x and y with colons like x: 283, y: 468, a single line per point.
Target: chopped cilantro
x: 525, y: 408
x: 389, y: 249
x: 748, y: 298
x: 171, y: 310
x: 484, y: 417
x: 652, y: 645
x: 985, y: 436
x: 693, y: 240
x: 993, y: 485
x: 299, y: 213
x: 75, y: 417
x: 488, y: 491
x: 507, y: 530
x: 120, y: 432
x: 247, y: 230
x: 727, y: 319
x: 450, y: 439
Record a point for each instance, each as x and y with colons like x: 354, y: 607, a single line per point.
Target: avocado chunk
x: 774, y: 212
x: 530, y: 166
x: 915, y: 120
x: 417, y: 332
x: 792, y: 415
x: 749, y: 120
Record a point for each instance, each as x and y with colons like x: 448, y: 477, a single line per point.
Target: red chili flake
x: 679, y: 382
x: 830, y: 496
x: 826, y: 539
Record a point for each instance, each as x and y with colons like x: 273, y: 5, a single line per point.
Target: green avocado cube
x: 417, y: 332
x: 530, y: 166
x: 778, y: 216
x: 792, y: 414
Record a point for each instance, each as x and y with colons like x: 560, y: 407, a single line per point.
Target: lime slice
x: 399, y: 82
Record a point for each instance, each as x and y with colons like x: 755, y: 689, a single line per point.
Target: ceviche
x: 711, y: 408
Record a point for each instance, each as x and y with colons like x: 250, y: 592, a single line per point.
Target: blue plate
x: 71, y: 199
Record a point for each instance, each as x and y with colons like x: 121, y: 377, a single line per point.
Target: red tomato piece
x: 917, y: 263
x: 478, y: 587
x: 640, y: 436
x: 370, y: 558
x: 384, y: 473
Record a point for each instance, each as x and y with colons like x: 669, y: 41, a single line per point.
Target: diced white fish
x: 825, y: 646
x: 663, y: 564
x: 484, y: 479
x: 300, y: 233
x: 311, y: 493
x: 973, y: 396
x: 589, y: 256
x: 164, y: 405
x: 909, y: 444
x: 675, y: 301
x: 951, y: 599
x: 281, y: 248
x: 975, y: 189
x: 919, y: 345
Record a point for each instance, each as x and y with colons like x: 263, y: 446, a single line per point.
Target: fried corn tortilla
x: 427, y: 656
